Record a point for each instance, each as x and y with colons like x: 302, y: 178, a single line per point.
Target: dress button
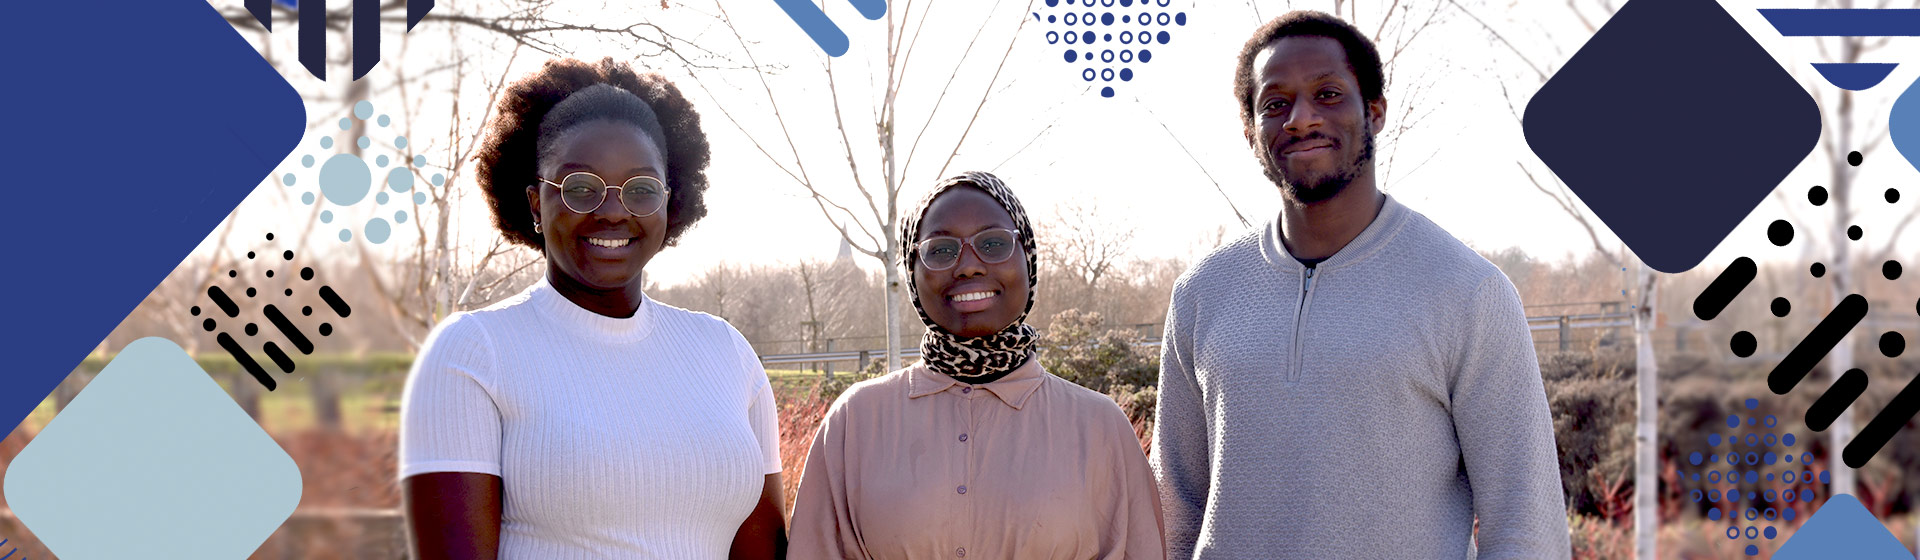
x: 962, y: 489
x: 963, y: 437
x: 965, y: 390
x: 961, y: 552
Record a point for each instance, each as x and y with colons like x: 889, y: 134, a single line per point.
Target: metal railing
x: 1563, y: 323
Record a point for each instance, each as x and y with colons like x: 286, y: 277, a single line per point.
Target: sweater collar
x: 571, y: 316
x: 1376, y: 235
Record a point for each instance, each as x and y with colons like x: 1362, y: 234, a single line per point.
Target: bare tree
x: 1088, y: 245
x: 869, y: 217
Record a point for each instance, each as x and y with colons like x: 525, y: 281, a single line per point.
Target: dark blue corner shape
x: 137, y: 127
x: 1672, y: 124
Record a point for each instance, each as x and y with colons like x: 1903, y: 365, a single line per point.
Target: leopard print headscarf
x: 998, y: 353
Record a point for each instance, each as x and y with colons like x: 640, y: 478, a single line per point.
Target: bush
x: 1111, y: 361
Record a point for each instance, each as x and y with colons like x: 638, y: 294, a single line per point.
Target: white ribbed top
x: 646, y: 437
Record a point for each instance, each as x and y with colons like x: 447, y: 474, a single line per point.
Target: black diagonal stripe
x: 246, y: 361
x: 1884, y: 425
x: 226, y: 303
x: 1817, y: 344
x: 417, y: 10
x: 279, y: 357
x: 262, y: 11
x: 333, y: 300
x: 1836, y: 400
x: 286, y: 327
x: 366, y: 36
x: 313, y: 37
x: 1721, y: 292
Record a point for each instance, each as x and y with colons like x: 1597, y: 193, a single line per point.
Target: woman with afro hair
x: 580, y: 419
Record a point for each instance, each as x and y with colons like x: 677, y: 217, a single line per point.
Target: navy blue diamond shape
x: 1672, y: 124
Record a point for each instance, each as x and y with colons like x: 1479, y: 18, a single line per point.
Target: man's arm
x: 1506, y: 436
x: 1181, y: 458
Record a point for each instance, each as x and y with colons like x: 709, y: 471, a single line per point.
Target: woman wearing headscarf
x: 975, y: 451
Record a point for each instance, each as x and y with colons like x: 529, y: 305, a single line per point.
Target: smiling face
x: 974, y: 298
x: 607, y: 249
x: 1312, y: 130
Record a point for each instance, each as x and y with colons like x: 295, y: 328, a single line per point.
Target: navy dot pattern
x: 1751, y: 477
x: 1104, y: 41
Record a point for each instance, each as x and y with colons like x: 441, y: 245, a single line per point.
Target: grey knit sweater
x: 1372, y: 407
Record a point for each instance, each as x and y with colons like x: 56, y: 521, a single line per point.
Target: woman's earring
x: 536, y: 227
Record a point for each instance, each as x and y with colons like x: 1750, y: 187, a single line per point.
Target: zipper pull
x: 1308, y: 285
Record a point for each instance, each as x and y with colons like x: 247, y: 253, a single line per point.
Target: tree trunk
x: 893, y: 309
x: 326, y: 401
x: 1646, y: 481
x: 246, y: 391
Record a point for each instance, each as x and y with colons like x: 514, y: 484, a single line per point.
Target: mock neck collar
x: 1376, y: 235
x: 551, y: 303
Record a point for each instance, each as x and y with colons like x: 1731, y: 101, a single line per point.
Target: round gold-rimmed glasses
x: 584, y: 192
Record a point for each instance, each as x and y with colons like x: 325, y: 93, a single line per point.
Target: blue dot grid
x: 1745, y: 455
x: 343, y: 179
x: 1127, y: 29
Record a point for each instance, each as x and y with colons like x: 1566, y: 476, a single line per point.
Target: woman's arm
x: 764, y: 534
x: 456, y: 515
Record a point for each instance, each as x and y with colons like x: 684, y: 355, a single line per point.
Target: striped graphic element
x: 312, y: 18
x: 824, y: 33
x: 1847, y: 22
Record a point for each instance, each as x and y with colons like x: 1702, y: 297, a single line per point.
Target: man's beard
x: 1326, y: 187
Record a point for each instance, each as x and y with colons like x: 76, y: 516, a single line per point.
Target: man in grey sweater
x: 1349, y: 380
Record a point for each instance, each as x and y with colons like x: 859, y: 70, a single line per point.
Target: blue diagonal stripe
x: 1854, y: 76
x: 871, y: 9
x: 1844, y: 22
x: 815, y: 23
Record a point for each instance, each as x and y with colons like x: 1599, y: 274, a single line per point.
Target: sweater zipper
x: 1299, y: 324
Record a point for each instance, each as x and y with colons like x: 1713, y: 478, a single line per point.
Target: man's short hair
x: 1362, y: 58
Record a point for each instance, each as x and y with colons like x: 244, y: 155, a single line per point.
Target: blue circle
x: 1769, y: 477
x: 1752, y: 514
x: 1733, y: 533
x: 1806, y: 495
x: 1733, y: 458
x: 1770, y: 514
x: 419, y: 197
x: 1753, y: 550
x: 419, y: 161
x: 287, y: 179
x: 1087, y: 19
x: 1180, y: 18
x: 1753, y: 495
x: 1753, y: 458
x: 1126, y: 56
x: 1733, y: 476
x: 438, y: 179
x: 364, y: 142
x: 1769, y: 440
x: 363, y: 110
x: 1126, y: 38
x: 1694, y: 458
x: 326, y: 216
x: 1126, y: 74
x: 1752, y: 531
x: 1787, y: 514
x: 1806, y: 458
x: 1770, y: 421
x: 306, y: 161
x: 1126, y: 3
x: 1753, y: 404
x: 1108, y: 37
x: 1696, y: 495
x: 1146, y: 19
x: 1713, y: 495
x: 1106, y: 91
x: 1770, y: 533
x: 1770, y: 458
x: 1713, y: 458
x: 1146, y: 55
x: 1050, y: 19
x: 1073, y: 18
x: 400, y: 142
x: 1789, y: 496
x: 1713, y: 477
x: 345, y: 123
x: 1106, y: 74
x: 1087, y: 55
x: 1164, y: 37
x: 1106, y: 18
x: 306, y: 198
x: 1751, y: 420
x: 1086, y: 37
x: 381, y: 160
x: 1072, y: 38
x: 1126, y: 19
x: 1053, y: 3
x: 1753, y: 476
x: 326, y: 142
x: 1788, y: 457
x: 1087, y: 74
x: 1826, y: 477
x: 385, y: 120
x: 1806, y: 476
x: 1773, y: 496
x: 1163, y: 18
x: 1733, y: 420
x: 1071, y: 54
x: 346, y: 234
x: 400, y: 217
x: 1787, y: 440
x: 1789, y: 476
x: 1696, y: 477
x: 378, y: 231
x: 380, y: 198
x: 345, y: 179
x: 1713, y: 440
x: 1106, y: 55
x: 1713, y: 514
x: 1753, y: 440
